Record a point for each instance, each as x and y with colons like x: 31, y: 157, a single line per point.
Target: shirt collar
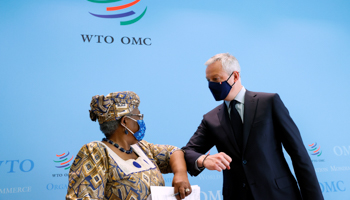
x: 239, y: 97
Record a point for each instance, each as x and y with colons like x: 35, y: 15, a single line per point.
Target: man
x: 248, y: 130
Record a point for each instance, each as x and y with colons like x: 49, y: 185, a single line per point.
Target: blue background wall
x: 49, y: 74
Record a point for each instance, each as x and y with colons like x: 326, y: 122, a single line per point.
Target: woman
x: 123, y: 166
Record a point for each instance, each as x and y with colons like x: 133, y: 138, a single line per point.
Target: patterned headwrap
x: 113, y: 106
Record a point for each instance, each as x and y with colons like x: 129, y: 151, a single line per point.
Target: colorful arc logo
x: 315, y: 150
x: 63, y: 161
x: 118, y: 8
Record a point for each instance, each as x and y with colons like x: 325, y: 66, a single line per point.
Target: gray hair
x: 229, y: 63
x: 108, y: 128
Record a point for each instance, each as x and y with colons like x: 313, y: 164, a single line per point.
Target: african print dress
x: 99, y: 173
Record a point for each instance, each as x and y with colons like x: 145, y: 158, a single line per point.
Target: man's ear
x: 236, y: 76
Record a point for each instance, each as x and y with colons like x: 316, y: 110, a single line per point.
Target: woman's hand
x: 182, y: 187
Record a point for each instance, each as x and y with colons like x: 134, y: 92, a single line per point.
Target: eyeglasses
x: 139, y: 115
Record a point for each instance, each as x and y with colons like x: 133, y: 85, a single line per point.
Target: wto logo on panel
x: 316, y: 152
x: 119, y: 11
x: 63, y: 161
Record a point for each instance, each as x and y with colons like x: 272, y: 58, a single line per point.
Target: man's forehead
x: 211, y: 75
x: 216, y: 64
x: 214, y: 69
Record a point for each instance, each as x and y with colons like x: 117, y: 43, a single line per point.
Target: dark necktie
x: 237, y: 124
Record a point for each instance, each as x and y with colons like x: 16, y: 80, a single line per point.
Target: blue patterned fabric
x: 96, y: 175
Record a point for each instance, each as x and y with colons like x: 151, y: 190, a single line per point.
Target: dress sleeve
x: 160, y: 154
x: 88, y: 173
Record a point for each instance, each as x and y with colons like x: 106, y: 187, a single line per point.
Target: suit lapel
x: 250, y: 105
x: 226, y: 125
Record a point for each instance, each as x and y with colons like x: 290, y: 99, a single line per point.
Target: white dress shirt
x: 240, y: 103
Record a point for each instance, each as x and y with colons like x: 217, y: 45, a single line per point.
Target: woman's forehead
x: 136, y: 111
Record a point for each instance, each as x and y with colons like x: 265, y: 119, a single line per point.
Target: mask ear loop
x: 126, y: 128
x: 229, y: 78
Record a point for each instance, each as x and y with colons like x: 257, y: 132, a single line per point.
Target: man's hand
x: 181, y: 185
x: 219, y: 161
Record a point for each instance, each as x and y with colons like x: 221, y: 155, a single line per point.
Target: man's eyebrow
x: 214, y: 76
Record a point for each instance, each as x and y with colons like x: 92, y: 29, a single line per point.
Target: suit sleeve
x: 199, y: 144
x: 292, y: 142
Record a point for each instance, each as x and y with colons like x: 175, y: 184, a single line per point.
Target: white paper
x: 167, y: 193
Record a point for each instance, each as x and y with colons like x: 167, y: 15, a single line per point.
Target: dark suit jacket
x: 261, y: 165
